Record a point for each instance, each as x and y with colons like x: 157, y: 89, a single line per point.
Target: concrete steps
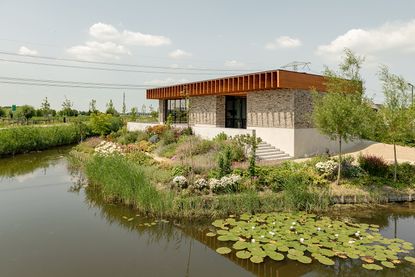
x: 267, y: 152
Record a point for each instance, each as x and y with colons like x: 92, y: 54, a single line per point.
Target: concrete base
x: 298, y: 143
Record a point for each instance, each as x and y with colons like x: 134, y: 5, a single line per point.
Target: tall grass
x: 121, y: 180
x: 24, y: 139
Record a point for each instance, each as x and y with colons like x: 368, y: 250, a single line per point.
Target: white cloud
x: 283, y: 42
x: 23, y: 50
x: 179, y: 54
x: 165, y: 82
x: 234, y: 64
x: 106, y: 32
x: 93, y: 50
x: 396, y: 36
x: 108, y: 43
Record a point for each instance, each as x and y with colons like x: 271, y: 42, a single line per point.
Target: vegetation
x: 305, y: 237
x: 25, y: 139
x: 396, y: 116
x: 342, y: 113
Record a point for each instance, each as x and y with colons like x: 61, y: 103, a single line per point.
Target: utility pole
x: 123, y: 104
x: 412, y: 94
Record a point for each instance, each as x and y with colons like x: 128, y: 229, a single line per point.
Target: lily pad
x: 410, y: 259
x: 256, y: 259
x: 223, y: 250
x: 325, y: 260
x: 276, y: 256
x: 388, y: 264
x: 210, y: 234
x: 372, y: 266
x: 243, y: 254
x: 304, y: 259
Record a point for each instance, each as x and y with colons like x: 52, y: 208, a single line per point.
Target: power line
x: 128, y: 65
x: 110, y: 69
x: 74, y: 82
x: 68, y: 86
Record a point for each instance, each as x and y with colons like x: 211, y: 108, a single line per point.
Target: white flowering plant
x: 106, y: 148
x: 180, y: 181
x: 226, y: 184
x: 201, y: 184
x: 327, y: 168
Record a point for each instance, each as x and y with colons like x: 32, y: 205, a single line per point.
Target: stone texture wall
x: 279, y: 109
x: 207, y: 110
x: 161, y: 110
x: 272, y: 109
x: 303, y: 108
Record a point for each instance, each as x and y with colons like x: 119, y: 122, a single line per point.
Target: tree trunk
x: 396, y: 163
x: 339, y: 168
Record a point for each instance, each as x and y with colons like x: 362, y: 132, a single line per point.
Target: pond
x: 51, y: 226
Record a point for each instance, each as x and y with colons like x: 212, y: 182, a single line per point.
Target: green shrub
x: 405, y: 173
x: 104, y: 124
x: 168, y: 137
x: 225, y: 162
x: 180, y: 170
x: 373, y: 165
x: 221, y: 137
x: 167, y: 151
x: 24, y: 139
x: 140, y: 158
x: 131, y: 137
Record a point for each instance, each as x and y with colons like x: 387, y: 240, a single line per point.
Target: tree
x: 397, y: 115
x: 111, y: 109
x: 27, y: 111
x: 2, y: 112
x: 45, y: 107
x: 343, y: 114
x: 124, y: 107
x: 144, y: 109
x: 133, y: 114
x: 93, y: 107
x: 67, y: 107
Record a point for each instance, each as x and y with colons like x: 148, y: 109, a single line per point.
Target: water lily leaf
x: 210, y: 234
x: 256, y: 259
x: 372, y: 266
x: 388, y: 264
x: 292, y: 257
x: 283, y: 248
x: 222, y: 232
x: 304, y: 259
x: 410, y: 259
x: 325, y: 260
x: 239, y: 245
x: 223, y: 238
x: 223, y: 250
x: 243, y: 254
x: 352, y: 255
x: 218, y: 223
x: 275, y: 256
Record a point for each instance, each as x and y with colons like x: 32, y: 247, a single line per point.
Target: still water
x: 50, y: 227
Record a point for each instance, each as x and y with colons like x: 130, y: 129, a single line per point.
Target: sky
x: 182, y: 37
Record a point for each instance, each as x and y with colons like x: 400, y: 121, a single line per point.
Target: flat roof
x: 242, y: 84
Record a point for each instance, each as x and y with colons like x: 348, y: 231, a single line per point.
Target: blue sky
x: 230, y: 35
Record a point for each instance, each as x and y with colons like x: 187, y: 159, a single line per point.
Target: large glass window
x: 178, y: 110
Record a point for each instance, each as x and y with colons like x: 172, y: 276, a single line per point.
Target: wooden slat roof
x: 242, y: 84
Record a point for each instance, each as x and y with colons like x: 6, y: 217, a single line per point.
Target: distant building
x: 277, y: 104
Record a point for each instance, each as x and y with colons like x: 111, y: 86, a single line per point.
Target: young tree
x: 45, y: 107
x: 67, y: 107
x: 124, y: 107
x: 2, y: 112
x: 27, y: 112
x: 396, y: 115
x: 133, y: 114
x: 111, y: 109
x: 93, y: 107
x: 343, y: 114
x: 143, y: 108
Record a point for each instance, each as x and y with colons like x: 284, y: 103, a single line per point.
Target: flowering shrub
x: 225, y: 184
x: 328, y: 168
x: 108, y: 148
x: 201, y: 184
x: 180, y: 181
x: 157, y: 129
x: 373, y: 165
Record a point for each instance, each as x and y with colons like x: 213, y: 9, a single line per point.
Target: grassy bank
x: 24, y: 139
x: 121, y: 180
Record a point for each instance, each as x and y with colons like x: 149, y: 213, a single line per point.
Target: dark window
x: 235, y: 112
x: 178, y: 110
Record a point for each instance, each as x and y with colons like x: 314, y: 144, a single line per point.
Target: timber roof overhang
x: 242, y: 84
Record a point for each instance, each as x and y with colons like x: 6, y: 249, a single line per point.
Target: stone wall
x: 272, y: 109
x: 303, y: 108
x: 207, y: 110
x: 161, y: 110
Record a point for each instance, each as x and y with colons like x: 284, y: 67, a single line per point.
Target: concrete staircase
x: 267, y: 152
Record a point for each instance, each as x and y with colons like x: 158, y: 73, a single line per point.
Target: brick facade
x: 207, y: 110
x: 279, y: 109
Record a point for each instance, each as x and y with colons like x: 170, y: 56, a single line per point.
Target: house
x: 276, y: 104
